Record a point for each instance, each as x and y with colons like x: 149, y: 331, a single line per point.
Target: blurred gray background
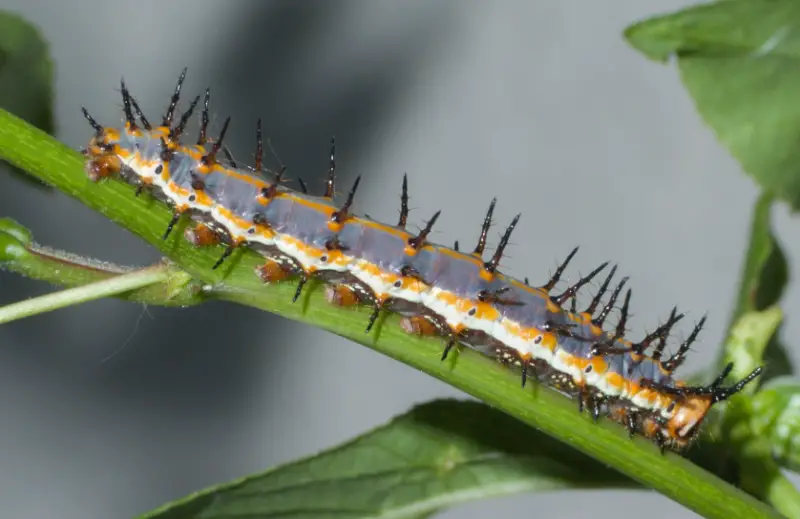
x: 541, y: 104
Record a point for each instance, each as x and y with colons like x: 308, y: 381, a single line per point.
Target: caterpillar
x: 437, y: 290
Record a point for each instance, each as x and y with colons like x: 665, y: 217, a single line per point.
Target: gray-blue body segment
x: 299, y: 215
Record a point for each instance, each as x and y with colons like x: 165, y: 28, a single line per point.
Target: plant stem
x: 18, y: 253
x: 72, y: 296
x: 474, y: 373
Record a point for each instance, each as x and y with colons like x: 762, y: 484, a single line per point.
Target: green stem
x: 672, y: 475
x: 19, y: 253
x: 783, y: 495
x: 72, y: 296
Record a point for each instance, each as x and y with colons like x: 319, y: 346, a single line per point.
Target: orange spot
x: 616, y: 380
x: 101, y: 167
x: 410, y: 251
x: 341, y: 295
x: 475, y: 260
x: 271, y: 272
x: 418, y: 325
x: 551, y: 306
x: 201, y: 235
x: 549, y: 341
x: 599, y: 365
x: 650, y: 427
x: 240, y: 223
x: 334, y: 226
x: 394, y: 231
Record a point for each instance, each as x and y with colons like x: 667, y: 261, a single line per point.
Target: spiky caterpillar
x: 439, y: 290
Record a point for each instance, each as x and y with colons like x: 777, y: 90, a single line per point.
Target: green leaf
x: 26, y: 72
x: 26, y: 76
x: 740, y: 60
x: 748, y: 341
x: 765, y: 273
x: 776, y: 416
x: 759, y: 473
x: 763, y: 280
x: 439, y: 454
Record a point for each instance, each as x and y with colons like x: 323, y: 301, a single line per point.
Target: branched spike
x: 492, y: 264
x: 173, y: 102
x: 601, y: 319
x: 726, y: 393
x: 573, y: 290
x: 660, y: 333
x: 677, y: 359
x: 722, y: 376
x: 487, y: 223
x: 303, y: 186
x: 341, y: 215
x: 126, y: 104
x: 419, y: 240
x: 259, y: 147
x: 556, y: 277
x: 229, y: 156
x: 203, y: 137
x: 600, y: 293
x: 330, y: 184
x: 279, y: 176
x: 527, y: 282
x: 281, y: 166
x: 455, y: 245
x: 623, y: 317
x: 403, y: 203
x: 228, y: 252
x: 658, y: 351
x: 178, y: 130
x: 166, y: 153
x: 140, y: 115
x: 212, y: 155
x: 98, y: 129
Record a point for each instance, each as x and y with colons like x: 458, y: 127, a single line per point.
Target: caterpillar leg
x: 341, y: 295
x: 419, y: 325
x: 424, y: 325
x: 101, y: 166
x: 201, y: 235
x: 272, y: 271
x: 590, y: 402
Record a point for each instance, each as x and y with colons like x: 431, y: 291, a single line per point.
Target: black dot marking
x: 323, y: 259
x: 587, y: 369
x: 159, y: 169
x: 192, y: 198
x: 671, y: 407
x: 398, y: 284
x: 538, y: 339
x: 472, y: 311
x: 251, y: 230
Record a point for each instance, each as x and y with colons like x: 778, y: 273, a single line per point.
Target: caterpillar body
x: 459, y: 295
